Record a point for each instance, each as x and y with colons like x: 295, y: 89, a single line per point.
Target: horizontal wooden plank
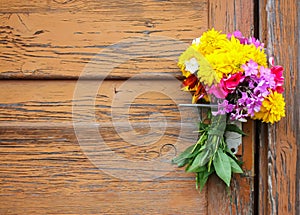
x: 139, y: 119
x: 139, y: 112
x: 56, y: 158
x: 44, y: 170
x: 32, y: 6
x: 60, y: 44
x: 51, y: 102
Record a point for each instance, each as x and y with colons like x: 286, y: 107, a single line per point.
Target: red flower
x: 190, y: 82
x: 279, y: 79
x: 232, y: 81
x: 226, y: 85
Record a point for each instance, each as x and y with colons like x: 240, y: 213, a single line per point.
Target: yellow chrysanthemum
x: 221, y: 64
x: 233, y: 55
x: 256, y: 54
x: 210, y: 41
x: 206, y: 74
x: 229, y: 59
x: 272, y: 109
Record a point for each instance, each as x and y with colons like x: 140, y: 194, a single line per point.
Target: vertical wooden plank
x: 230, y: 15
x: 281, y: 30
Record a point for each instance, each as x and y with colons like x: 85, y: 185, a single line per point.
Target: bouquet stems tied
x: 211, y: 154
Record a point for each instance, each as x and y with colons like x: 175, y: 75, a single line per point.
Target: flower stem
x: 215, y: 136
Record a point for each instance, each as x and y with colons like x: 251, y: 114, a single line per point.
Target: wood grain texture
x: 60, y: 42
x: 136, y: 7
x: 46, y: 168
x: 281, y: 30
x: 229, y: 16
x: 44, y: 171
x: 232, y: 15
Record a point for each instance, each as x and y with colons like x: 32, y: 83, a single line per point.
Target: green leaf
x: 183, y: 158
x: 222, y: 166
x: 235, y: 167
x: 202, y: 139
x: 234, y: 128
x: 203, y: 126
x: 198, y: 169
x: 202, y: 177
x: 200, y: 160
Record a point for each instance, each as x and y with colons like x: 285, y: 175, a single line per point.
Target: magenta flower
x: 224, y: 108
x: 279, y: 79
x: 246, y: 41
x: 267, y: 76
x: 250, y: 68
x: 232, y: 81
x: 256, y: 42
x: 238, y: 35
x: 218, y: 91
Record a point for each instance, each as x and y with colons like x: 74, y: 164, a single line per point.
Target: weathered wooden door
x: 87, y: 129
x: 279, y: 148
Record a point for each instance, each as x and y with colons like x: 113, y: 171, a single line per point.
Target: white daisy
x: 191, y: 65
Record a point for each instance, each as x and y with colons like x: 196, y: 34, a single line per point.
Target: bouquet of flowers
x: 231, y: 74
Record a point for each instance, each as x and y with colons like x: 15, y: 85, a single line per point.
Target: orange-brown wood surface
x: 52, y: 161
x: 59, y: 41
x: 44, y: 168
x: 279, y: 147
x: 236, y: 15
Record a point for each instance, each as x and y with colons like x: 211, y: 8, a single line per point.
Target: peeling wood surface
x: 281, y: 177
x: 58, y: 43
x: 44, y: 171
x: 44, y: 168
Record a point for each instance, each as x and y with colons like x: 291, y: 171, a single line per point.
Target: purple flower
x: 246, y: 41
x: 224, y: 108
x: 256, y: 42
x: 267, y: 76
x: 244, y: 99
x: 262, y: 89
x: 239, y: 116
x: 238, y: 35
x: 250, y: 68
x: 253, y: 105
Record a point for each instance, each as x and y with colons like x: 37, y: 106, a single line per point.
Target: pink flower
x: 232, y: 81
x: 255, y: 42
x: 279, y: 79
x: 250, y: 68
x: 238, y: 35
x: 218, y: 91
x: 226, y: 85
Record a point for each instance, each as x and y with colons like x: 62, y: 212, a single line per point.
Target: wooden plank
x: 232, y: 15
x: 137, y: 6
x: 32, y: 102
x: 229, y: 16
x: 281, y: 30
x: 141, y: 113
x: 52, y: 162
x: 44, y: 171
x: 59, y: 44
